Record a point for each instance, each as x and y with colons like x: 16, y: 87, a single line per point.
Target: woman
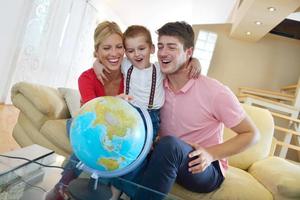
x: 108, y: 45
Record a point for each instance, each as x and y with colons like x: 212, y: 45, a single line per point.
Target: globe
x: 110, y: 137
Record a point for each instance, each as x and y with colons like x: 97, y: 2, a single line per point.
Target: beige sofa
x: 253, y: 174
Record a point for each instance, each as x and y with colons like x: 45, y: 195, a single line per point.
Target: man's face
x: 171, y: 55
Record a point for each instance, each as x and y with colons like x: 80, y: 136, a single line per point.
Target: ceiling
x: 241, y: 13
x: 155, y: 13
x: 248, y: 12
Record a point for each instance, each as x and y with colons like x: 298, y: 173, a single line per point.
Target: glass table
x: 23, y: 179
x: 83, y: 189
x: 89, y: 188
x: 19, y: 171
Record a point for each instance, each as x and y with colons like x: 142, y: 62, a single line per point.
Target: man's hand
x: 202, y: 159
x: 99, y: 71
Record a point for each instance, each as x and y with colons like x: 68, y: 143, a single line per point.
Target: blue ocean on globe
x: 109, y: 135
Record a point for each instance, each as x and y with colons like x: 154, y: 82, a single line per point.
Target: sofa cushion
x: 263, y: 120
x: 279, y: 176
x: 72, y: 98
x: 238, y: 184
x: 33, y: 133
x: 21, y: 136
x: 55, y: 131
x: 27, y: 108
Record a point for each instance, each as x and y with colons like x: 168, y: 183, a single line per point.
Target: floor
x: 8, y: 119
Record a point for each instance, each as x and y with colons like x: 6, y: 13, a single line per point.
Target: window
x: 204, y: 48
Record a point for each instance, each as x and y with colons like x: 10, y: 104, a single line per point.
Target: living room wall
x: 270, y: 63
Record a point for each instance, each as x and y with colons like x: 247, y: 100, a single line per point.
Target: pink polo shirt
x: 198, y: 112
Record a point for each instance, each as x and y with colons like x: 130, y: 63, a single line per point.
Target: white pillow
x: 72, y: 98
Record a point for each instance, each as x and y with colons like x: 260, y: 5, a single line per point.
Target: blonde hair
x: 104, y: 30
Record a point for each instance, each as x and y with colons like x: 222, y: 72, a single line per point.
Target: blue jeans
x: 71, y: 172
x: 171, y: 154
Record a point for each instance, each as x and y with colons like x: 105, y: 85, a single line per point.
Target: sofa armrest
x: 45, y: 99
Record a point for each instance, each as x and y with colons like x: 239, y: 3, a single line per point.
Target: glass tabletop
x: 21, y: 178
x: 99, y: 188
x: 83, y: 189
x: 19, y: 170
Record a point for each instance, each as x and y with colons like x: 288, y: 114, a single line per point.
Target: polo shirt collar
x: 184, y: 89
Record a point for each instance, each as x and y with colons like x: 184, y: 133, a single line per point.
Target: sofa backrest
x: 46, y: 100
x: 263, y: 120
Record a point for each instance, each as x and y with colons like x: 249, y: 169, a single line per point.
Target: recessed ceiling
x: 250, y: 11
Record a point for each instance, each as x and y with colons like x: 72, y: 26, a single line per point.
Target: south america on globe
x: 109, y: 136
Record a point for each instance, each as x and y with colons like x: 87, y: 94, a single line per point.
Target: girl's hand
x: 194, y: 68
x: 99, y: 71
x: 125, y: 97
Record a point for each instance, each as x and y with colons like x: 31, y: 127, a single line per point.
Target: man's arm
x: 247, y: 135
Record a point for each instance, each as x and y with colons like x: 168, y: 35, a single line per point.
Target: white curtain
x: 56, y: 44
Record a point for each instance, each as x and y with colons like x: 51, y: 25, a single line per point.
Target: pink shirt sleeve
x: 227, y: 108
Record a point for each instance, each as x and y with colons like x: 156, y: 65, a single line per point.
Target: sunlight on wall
x: 204, y: 47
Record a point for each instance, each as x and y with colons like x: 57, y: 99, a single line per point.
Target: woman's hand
x: 194, y: 68
x: 99, y: 71
x: 202, y: 159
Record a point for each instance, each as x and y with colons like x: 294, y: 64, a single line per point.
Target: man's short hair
x: 182, y: 30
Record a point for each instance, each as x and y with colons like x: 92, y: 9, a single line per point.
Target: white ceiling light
x: 258, y: 23
x: 248, y: 33
x: 271, y: 9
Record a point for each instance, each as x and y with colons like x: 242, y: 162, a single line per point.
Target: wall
x: 270, y: 63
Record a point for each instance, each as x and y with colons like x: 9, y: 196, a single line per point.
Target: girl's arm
x: 99, y: 71
x: 194, y: 68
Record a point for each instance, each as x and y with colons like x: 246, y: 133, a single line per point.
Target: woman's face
x: 111, y: 51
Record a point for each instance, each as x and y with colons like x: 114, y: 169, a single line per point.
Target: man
x: 191, y: 150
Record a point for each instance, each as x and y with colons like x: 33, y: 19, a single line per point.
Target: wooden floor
x: 8, y: 119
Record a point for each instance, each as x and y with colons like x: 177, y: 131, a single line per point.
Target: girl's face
x: 138, y: 51
x: 111, y: 51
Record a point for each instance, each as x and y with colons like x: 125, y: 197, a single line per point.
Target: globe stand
x: 83, y: 189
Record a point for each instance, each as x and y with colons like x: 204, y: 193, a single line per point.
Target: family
x: 188, y: 110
